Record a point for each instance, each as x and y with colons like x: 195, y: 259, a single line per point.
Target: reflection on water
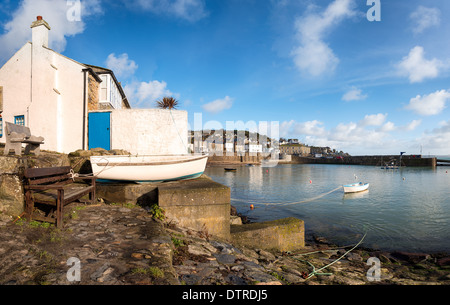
x: 406, y: 209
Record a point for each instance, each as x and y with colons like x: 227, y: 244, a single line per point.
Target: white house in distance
x: 68, y: 103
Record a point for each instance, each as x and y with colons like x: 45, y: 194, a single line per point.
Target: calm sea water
x: 406, y: 209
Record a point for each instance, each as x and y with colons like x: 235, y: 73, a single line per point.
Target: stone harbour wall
x: 11, y: 178
x: 286, y: 234
x: 379, y: 160
x: 199, y: 204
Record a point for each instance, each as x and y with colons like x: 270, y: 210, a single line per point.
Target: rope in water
x: 289, y: 203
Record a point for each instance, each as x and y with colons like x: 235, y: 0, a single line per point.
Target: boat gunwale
x: 356, y: 187
x: 169, y: 162
x: 357, y: 184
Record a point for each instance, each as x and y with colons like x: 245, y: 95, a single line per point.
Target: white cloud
x: 437, y: 141
x: 354, y: 94
x: 430, y: 104
x: 313, y: 55
x: 17, y: 30
x: 190, y: 10
x: 312, y: 128
x: 122, y: 66
x: 293, y: 128
x: 370, y: 134
x: 424, y: 18
x: 218, y: 105
x: 388, y: 126
x: 417, y: 67
x: 412, y: 125
x: 373, y: 120
x: 144, y: 94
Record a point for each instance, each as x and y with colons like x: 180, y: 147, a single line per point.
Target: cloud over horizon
x: 373, y: 132
x: 218, y: 105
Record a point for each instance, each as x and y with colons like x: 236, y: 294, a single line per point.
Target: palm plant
x: 167, y: 103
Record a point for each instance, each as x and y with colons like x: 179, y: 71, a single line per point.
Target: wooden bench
x: 18, y: 134
x: 53, y: 188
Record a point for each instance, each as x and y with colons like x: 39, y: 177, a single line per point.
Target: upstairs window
x: 104, y: 88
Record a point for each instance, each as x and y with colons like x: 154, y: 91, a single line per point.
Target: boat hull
x: 355, y: 187
x: 145, y: 169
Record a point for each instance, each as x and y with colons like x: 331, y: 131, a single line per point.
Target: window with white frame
x: 109, y: 92
x: 104, y: 88
x: 115, y: 99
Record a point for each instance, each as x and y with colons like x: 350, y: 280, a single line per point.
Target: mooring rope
x: 288, y: 203
x: 317, y: 272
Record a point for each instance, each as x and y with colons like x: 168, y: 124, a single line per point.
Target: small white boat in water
x: 355, y: 187
x: 142, y: 169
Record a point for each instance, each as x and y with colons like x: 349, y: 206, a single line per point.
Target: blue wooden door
x: 100, y: 130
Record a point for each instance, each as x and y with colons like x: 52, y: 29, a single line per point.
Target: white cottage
x: 52, y: 94
x: 79, y: 106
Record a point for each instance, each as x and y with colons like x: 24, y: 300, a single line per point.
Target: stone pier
x: 200, y: 204
x: 287, y: 234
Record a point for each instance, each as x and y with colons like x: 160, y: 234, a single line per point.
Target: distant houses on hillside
x: 220, y: 142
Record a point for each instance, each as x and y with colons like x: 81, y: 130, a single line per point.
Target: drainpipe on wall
x: 84, y: 110
x: 31, y: 89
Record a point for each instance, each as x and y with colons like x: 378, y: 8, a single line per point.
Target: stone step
x: 285, y: 234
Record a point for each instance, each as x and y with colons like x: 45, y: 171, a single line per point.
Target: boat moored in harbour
x: 355, y: 187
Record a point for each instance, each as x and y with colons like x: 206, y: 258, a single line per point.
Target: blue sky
x: 319, y: 68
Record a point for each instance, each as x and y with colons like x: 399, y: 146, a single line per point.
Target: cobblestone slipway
x: 118, y: 245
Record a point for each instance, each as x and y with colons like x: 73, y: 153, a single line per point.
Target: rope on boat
x: 74, y: 175
x: 290, y: 203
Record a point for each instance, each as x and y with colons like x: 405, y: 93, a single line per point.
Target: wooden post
x: 59, y: 209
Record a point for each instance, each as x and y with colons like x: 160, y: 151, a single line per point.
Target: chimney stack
x: 39, y: 30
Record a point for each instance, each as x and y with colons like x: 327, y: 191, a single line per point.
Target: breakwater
x: 377, y: 160
x: 246, y: 158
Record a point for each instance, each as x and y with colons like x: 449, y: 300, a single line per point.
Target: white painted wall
x: 47, y: 88
x: 150, y: 131
x: 15, y: 77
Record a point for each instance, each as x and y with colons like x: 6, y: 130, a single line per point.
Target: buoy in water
x: 252, y: 207
x: 310, y: 181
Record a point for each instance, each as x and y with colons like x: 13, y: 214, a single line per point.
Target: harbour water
x: 407, y: 209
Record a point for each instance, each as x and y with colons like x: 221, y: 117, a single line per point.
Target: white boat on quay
x: 144, y: 169
x: 355, y: 187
